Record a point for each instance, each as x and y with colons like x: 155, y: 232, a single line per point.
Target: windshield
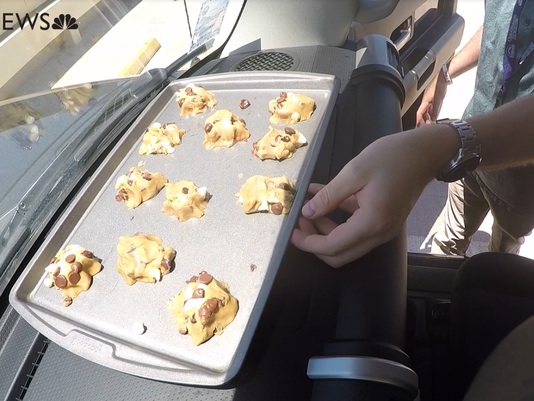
x: 78, y: 72
x: 50, y: 44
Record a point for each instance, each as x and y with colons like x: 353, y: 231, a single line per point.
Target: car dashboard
x: 374, y: 66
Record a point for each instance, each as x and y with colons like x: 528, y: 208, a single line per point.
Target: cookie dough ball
x: 204, y: 308
x: 290, y: 108
x: 138, y: 186
x: 185, y: 200
x: 142, y: 257
x: 71, y: 271
x: 278, y: 144
x: 194, y: 100
x: 224, y: 129
x: 266, y: 194
x: 161, y: 139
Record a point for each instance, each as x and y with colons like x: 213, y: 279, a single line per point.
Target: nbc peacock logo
x: 63, y: 21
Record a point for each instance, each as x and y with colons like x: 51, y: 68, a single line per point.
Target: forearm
x: 507, y: 134
x: 467, y: 57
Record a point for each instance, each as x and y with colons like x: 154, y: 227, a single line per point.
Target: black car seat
x: 493, y: 295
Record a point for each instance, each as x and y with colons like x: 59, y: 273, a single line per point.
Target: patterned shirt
x: 513, y: 187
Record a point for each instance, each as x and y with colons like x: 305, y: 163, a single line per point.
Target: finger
x: 339, y: 238
x: 419, y: 116
x: 306, y: 226
x: 350, y: 254
x: 324, y: 225
x: 360, y: 246
x: 313, y: 188
x: 334, y: 193
x: 349, y: 205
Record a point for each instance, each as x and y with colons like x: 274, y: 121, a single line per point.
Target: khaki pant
x: 464, y: 212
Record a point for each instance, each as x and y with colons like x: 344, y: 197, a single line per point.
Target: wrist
x: 440, y: 143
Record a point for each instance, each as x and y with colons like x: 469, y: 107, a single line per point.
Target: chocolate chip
x: 282, y: 97
x: 56, y: 272
x: 74, y: 278
x: 277, y: 208
x: 244, y: 103
x: 70, y: 258
x: 193, y: 279
x: 165, y: 265
x: 205, y: 278
x: 193, y: 320
x: 67, y: 301
x: 185, y: 190
x: 88, y: 254
x: 189, y: 91
x: 147, y: 176
x: 60, y: 281
x: 181, y: 102
x: 204, y: 313
x: 198, y: 293
x: 289, y: 130
x: 284, y: 186
x: 212, y: 304
x: 285, y: 139
x: 121, y: 195
x: 76, y: 267
x: 207, y: 128
x: 182, y: 329
x: 252, y: 267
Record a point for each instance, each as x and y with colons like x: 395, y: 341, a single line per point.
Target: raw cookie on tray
x: 204, y: 308
x: 267, y: 194
x: 185, y: 200
x: 71, y: 271
x: 142, y: 257
x: 138, y: 186
x: 161, y: 139
x: 194, y: 100
x: 224, y: 129
x: 290, y: 108
x: 278, y: 144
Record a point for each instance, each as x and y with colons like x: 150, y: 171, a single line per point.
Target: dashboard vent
x: 269, y: 61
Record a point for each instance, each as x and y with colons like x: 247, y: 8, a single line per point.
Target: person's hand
x: 431, y: 102
x: 378, y: 188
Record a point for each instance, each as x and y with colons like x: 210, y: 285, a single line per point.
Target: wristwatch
x: 468, y: 156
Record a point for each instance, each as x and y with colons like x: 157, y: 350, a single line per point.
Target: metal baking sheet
x: 225, y: 242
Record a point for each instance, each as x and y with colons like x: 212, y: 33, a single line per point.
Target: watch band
x: 467, y: 158
x: 467, y: 134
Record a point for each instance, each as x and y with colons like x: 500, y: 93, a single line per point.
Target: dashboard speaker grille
x: 269, y: 61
